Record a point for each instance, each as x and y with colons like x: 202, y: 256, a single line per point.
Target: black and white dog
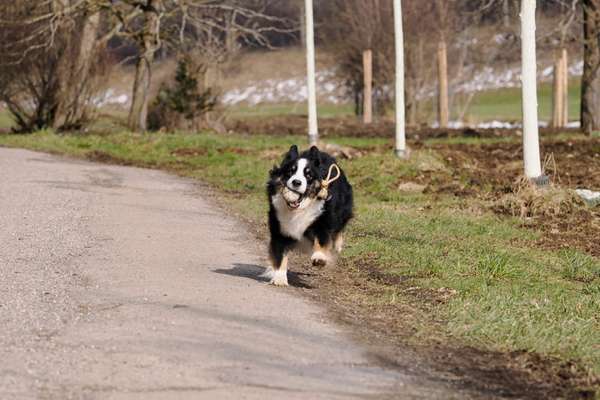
x: 298, y: 216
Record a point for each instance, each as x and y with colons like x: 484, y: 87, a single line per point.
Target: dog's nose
x: 296, y: 182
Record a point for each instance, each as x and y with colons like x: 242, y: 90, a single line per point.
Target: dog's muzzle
x: 292, y: 198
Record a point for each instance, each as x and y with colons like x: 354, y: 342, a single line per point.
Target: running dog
x: 308, y: 206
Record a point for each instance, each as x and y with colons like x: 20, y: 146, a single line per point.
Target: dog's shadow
x: 256, y: 273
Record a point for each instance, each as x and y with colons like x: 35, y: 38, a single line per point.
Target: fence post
x: 557, y: 94
x: 443, y: 85
x: 565, y: 88
x: 368, y: 86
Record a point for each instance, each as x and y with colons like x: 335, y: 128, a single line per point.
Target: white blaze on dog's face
x: 298, y: 182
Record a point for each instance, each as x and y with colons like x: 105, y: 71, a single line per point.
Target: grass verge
x: 438, y: 269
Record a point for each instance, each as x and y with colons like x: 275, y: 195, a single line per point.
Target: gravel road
x: 124, y: 283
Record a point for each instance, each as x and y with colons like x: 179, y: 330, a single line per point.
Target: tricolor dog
x: 310, y: 203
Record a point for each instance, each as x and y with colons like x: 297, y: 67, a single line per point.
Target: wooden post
x: 368, y: 86
x: 531, y: 143
x: 443, y: 85
x: 400, y: 150
x: 565, y: 88
x: 313, y: 130
x: 557, y: 96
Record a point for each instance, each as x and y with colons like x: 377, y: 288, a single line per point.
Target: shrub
x: 184, y: 103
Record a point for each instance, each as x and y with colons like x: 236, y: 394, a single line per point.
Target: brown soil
x: 353, y: 127
x: 492, y: 171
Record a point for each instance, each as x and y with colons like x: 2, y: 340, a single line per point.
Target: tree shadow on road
x: 255, y: 272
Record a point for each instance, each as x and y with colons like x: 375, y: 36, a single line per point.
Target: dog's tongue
x: 294, y: 204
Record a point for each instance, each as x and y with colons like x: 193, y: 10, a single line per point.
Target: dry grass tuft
x: 528, y: 200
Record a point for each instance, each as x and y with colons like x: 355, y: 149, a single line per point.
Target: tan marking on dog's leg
x: 338, y: 242
x: 279, y: 277
x: 321, y: 254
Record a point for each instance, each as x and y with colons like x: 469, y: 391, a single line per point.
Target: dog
x: 305, y: 210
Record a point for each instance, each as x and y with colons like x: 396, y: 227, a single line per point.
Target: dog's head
x: 300, y: 173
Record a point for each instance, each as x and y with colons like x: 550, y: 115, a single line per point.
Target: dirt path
x: 123, y: 283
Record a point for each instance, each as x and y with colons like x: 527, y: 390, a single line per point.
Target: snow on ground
x: 329, y: 89
x: 293, y: 90
x: 111, y: 97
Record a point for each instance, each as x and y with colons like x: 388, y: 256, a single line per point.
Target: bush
x: 184, y: 103
x: 43, y: 83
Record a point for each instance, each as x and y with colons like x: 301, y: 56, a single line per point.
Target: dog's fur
x: 319, y: 222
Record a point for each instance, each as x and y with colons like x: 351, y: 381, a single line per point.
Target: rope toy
x: 324, y: 192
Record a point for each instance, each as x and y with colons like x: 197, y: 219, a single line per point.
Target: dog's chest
x: 293, y: 223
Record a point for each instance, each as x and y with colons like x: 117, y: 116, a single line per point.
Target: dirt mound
x: 493, y: 172
x: 353, y: 127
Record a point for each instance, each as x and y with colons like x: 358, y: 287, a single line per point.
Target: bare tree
x: 148, y: 24
x: 47, y: 73
x: 350, y: 27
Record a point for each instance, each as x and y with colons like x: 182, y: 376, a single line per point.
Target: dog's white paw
x: 279, y: 278
x: 339, y: 244
x: 319, y: 259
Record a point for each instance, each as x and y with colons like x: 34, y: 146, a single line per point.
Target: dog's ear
x: 315, y: 155
x: 291, y: 155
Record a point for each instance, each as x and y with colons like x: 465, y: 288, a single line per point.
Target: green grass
x: 497, y: 104
x: 509, y: 294
x: 505, y: 104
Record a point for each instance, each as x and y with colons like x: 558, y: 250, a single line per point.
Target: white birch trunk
x: 401, y: 150
x: 531, y: 145
x: 313, y: 130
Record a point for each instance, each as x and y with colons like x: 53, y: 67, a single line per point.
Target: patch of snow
x: 286, y: 90
x: 590, y: 197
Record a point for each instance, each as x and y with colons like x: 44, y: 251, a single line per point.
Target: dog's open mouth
x: 292, y: 198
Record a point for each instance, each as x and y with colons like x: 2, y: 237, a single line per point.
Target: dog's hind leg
x: 321, y: 252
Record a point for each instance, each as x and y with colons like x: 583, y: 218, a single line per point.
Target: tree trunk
x: 150, y: 43
x: 368, y: 86
x: 531, y: 143
x: 313, y: 126
x: 590, y: 81
x: 443, y: 85
x: 303, y: 25
x: 400, y: 145
x: 506, y: 13
x: 72, y: 108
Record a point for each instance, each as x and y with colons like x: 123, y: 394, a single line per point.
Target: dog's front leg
x: 279, y: 263
x: 321, y: 255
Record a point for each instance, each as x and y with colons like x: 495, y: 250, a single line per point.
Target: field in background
x: 493, y: 105
x: 429, y: 265
x: 259, y: 68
